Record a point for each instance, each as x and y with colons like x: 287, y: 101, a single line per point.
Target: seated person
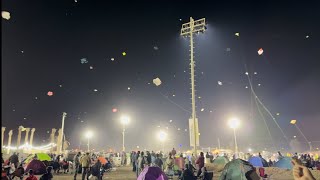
x: 48, y: 175
x: 31, y: 175
x: 95, y: 169
x: 65, y: 166
x: 187, y: 174
x: 19, y: 172
x: 108, y: 165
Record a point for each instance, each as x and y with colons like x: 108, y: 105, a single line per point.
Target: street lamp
x: 89, y: 135
x: 234, y: 124
x: 162, y: 137
x: 124, y: 121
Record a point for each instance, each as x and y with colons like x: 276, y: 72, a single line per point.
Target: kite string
x: 302, y: 134
x: 267, y: 110
x: 265, y: 122
x: 166, y: 97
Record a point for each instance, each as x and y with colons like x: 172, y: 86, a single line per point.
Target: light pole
x: 188, y: 29
x: 88, y: 136
x: 234, y: 124
x: 294, y: 122
x: 162, y: 137
x: 64, y: 114
x: 124, y: 122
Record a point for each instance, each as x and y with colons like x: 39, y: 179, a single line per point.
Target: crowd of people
x: 189, y: 167
x: 85, y: 163
x: 184, y: 166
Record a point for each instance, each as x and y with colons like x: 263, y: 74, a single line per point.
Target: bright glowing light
x: 250, y: 150
x: 293, y: 121
x: 89, y: 134
x: 294, y: 136
x: 30, y: 147
x: 234, y: 123
x: 124, y: 120
x: 162, y: 136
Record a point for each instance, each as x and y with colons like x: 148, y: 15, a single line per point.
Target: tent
x: 264, y: 162
x: 256, y: 161
x: 37, y: 166
x: 221, y: 160
x: 152, y: 173
x: 219, y: 163
x: 284, y: 163
x: 40, y: 156
x: 238, y: 169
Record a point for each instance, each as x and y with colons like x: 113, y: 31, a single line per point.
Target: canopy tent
x: 256, y: 161
x: 38, y: 156
x: 37, y: 166
x: 284, y: 163
x: 238, y: 169
x: 152, y: 173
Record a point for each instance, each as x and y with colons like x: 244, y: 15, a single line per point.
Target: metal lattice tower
x: 187, y: 30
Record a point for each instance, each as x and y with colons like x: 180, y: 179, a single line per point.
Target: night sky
x: 44, y: 41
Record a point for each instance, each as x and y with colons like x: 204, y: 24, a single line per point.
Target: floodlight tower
x: 187, y: 30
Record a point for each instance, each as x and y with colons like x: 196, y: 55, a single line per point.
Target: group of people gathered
x: 186, y: 165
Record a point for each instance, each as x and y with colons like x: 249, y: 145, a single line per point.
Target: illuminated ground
x: 123, y: 173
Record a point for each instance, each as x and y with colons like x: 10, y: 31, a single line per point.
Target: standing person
x: 85, y: 161
x: 169, y: 165
x: 158, y: 162
x: 181, y: 162
x: 136, y: 158
x: 173, y: 152
x: 148, y: 162
x: 200, y: 163
x: 14, y: 159
x: 76, y: 161
x: 133, y: 161
x: 193, y: 160
x: 141, y: 162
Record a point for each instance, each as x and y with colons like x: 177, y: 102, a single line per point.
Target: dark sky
x: 55, y: 35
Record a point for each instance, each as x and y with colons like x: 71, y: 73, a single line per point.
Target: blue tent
x: 284, y: 163
x: 256, y: 161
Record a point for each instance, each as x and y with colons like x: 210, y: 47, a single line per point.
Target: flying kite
x: 50, y: 93
x: 237, y: 34
x: 260, y: 51
x: 83, y: 60
x: 220, y: 83
x: 293, y: 121
x: 157, y: 81
x: 5, y: 15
